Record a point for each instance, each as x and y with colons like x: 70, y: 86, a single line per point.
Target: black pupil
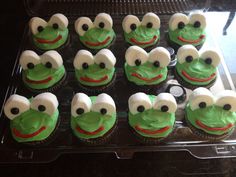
x: 55, y: 26
x: 189, y: 59
x: 15, y: 111
x: 208, y: 61
x: 197, y: 24
x: 48, y: 65
x: 85, y: 65
x: 85, y: 27
x: 156, y: 63
x: 30, y: 65
x: 101, y: 25
x: 181, y: 25
x: 140, y: 108
x: 227, y: 107
x: 80, y: 111
x: 133, y: 27
x: 149, y: 25
x: 40, y: 28
x: 103, y: 111
x: 41, y: 108
x: 164, y: 108
x: 137, y: 62
x: 102, y: 65
x: 202, y: 105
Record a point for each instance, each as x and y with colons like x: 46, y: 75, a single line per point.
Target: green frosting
x: 144, y: 36
x: 152, y: 120
x: 40, y: 73
x: 30, y: 122
x: 189, y: 33
x: 97, y: 38
x: 50, y: 38
x: 196, y: 69
x: 99, y: 76
x: 147, y: 71
x: 92, y: 122
x: 212, y: 117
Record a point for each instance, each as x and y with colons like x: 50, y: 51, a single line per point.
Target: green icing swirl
x: 146, y: 70
x: 211, y: 116
x: 92, y: 121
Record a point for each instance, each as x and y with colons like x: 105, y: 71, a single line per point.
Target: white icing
x: 160, y: 54
x: 104, y: 18
x: 198, y: 16
x: 215, y: 57
x: 80, y: 100
x: 176, y: 18
x: 226, y: 97
x: 53, y: 57
x: 151, y: 18
x: 83, y: 56
x: 35, y: 22
x: 133, y: 53
x: 28, y: 56
x: 80, y: 22
x: 165, y: 99
x: 59, y: 19
x: 187, y: 50
x: 105, y: 56
x: 128, y: 20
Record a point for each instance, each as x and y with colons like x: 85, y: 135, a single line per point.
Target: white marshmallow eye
x: 83, y: 59
x: 139, y: 102
x: 165, y: 102
x: 80, y: 104
x: 130, y: 23
x: 105, y: 59
x: 37, y: 25
x: 103, y: 21
x: 187, y: 53
x: 178, y: 21
x: 15, y: 106
x: 198, y: 20
x: 82, y: 25
x: 151, y: 20
x: 104, y: 104
x: 159, y: 57
x: 135, y: 56
x: 58, y: 21
x: 201, y: 98
x: 45, y: 102
x: 227, y: 100
x: 211, y: 57
x: 52, y: 59
x: 29, y: 59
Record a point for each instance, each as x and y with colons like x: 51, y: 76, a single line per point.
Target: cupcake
x: 42, y: 73
x: 211, y: 117
x: 95, y: 73
x: 98, y: 34
x: 194, y: 69
x: 146, y: 69
x: 152, y: 117
x: 93, y: 119
x: 187, y: 29
x: 49, y: 35
x: 32, y: 121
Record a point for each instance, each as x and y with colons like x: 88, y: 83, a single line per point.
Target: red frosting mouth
x: 197, y: 79
x: 39, y: 81
x: 20, y: 135
x: 87, y: 79
x: 80, y: 130
x: 151, y: 132
x: 200, y: 124
x: 147, y: 79
x: 98, y: 43
x: 45, y: 41
x: 191, y: 41
x: 143, y: 43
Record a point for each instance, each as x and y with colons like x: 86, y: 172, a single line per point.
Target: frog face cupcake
x: 98, y: 34
x: 95, y: 72
x: 152, y: 117
x: 211, y: 117
x: 143, y: 34
x: 32, y: 121
x: 187, y: 29
x: 193, y: 69
x: 40, y: 73
x: 49, y: 35
x: 93, y: 119
x: 146, y: 69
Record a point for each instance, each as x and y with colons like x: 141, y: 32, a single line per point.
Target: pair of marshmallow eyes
x: 141, y: 102
x: 81, y: 104
x: 16, y: 105
x: 202, y: 98
x: 102, y: 21
x: 104, y: 58
x: 179, y: 20
x: 50, y: 59
x: 189, y: 53
x: 131, y: 22
x: 136, y: 56
x: 57, y: 21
